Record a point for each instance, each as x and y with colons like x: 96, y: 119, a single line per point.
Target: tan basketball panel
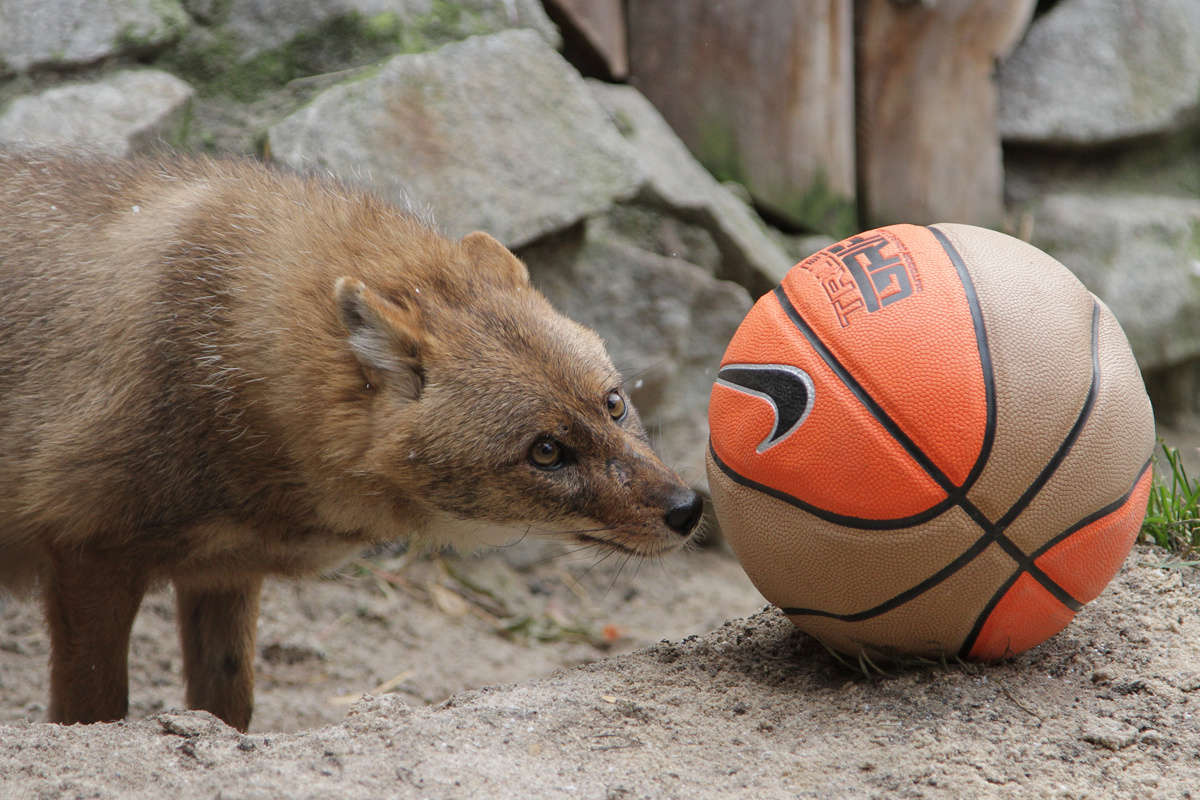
x: 933, y: 624
x: 1106, y: 460
x: 798, y: 560
x: 1038, y: 319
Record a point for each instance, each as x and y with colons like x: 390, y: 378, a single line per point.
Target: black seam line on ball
x: 1069, y: 442
x: 1112, y: 507
x: 954, y: 494
x: 1014, y: 551
x: 982, y: 619
x: 966, y: 557
x: 915, y: 452
x: 985, y: 358
x: 860, y: 523
x: 994, y: 532
x: 1093, y: 517
x: 1025, y: 563
x: 1073, y: 604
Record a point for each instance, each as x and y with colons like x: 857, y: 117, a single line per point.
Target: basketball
x: 930, y: 441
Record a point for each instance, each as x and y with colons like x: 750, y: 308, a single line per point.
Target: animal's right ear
x: 494, y: 259
x: 386, y: 337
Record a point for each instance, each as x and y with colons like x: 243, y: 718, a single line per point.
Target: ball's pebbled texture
x: 930, y: 441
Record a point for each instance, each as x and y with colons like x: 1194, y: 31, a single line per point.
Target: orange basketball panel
x: 890, y: 306
x: 840, y: 460
x: 1026, y: 615
x: 1084, y: 562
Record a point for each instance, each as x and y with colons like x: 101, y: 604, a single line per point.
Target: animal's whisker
x: 620, y: 569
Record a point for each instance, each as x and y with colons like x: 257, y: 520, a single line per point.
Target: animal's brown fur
x: 211, y: 371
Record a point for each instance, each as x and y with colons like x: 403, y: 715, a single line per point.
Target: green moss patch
x: 211, y: 60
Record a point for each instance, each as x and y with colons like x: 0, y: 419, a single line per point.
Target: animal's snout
x: 685, y: 515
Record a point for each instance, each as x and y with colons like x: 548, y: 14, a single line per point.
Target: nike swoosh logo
x: 788, y: 389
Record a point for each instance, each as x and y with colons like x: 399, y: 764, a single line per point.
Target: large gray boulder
x: 125, y: 113
x: 1141, y: 255
x: 257, y: 26
x: 666, y: 323
x: 74, y: 32
x: 495, y: 133
x: 1097, y: 71
x: 678, y: 183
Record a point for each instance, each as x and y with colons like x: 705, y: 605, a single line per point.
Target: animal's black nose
x: 685, y: 516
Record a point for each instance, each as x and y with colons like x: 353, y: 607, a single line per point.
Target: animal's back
x: 74, y: 314
x: 122, y: 285
x: 169, y: 350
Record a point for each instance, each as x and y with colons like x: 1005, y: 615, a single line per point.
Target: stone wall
x: 1102, y: 161
x: 489, y: 114
x: 464, y: 110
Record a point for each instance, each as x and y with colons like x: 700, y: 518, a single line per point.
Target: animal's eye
x: 546, y: 454
x: 616, y: 405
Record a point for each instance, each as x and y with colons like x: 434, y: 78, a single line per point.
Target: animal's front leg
x: 217, y: 628
x: 91, y: 599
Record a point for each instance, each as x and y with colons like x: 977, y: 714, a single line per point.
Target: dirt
x: 521, y: 674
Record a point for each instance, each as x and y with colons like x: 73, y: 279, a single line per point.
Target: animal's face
x: 503, y: 412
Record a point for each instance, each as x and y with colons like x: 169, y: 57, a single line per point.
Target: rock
x: 678, y: 183
x: 1141, y: 255
x: 375, y: 713
x: 247, y: 49
x: 1108, y: 733
x: 654, y: 230
x: 192, y: 723
x: 495, y: 133
x: 594, y: 35
x: 666, y: 323
x: 203, y: 10
x: 1096, y: 71
x: 50, y: 33
x: 128, y: 112
x: 762, y: 96
x: 258, y: 26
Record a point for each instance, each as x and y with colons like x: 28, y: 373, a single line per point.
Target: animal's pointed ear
x: 493, y: 258
x: 386, y: 337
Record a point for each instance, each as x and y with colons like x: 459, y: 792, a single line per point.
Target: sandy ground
x: 1110, y: 708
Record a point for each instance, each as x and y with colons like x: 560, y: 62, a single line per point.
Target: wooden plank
x: 594, y: 37
x: 762, y: 92
x: 928, y: 147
